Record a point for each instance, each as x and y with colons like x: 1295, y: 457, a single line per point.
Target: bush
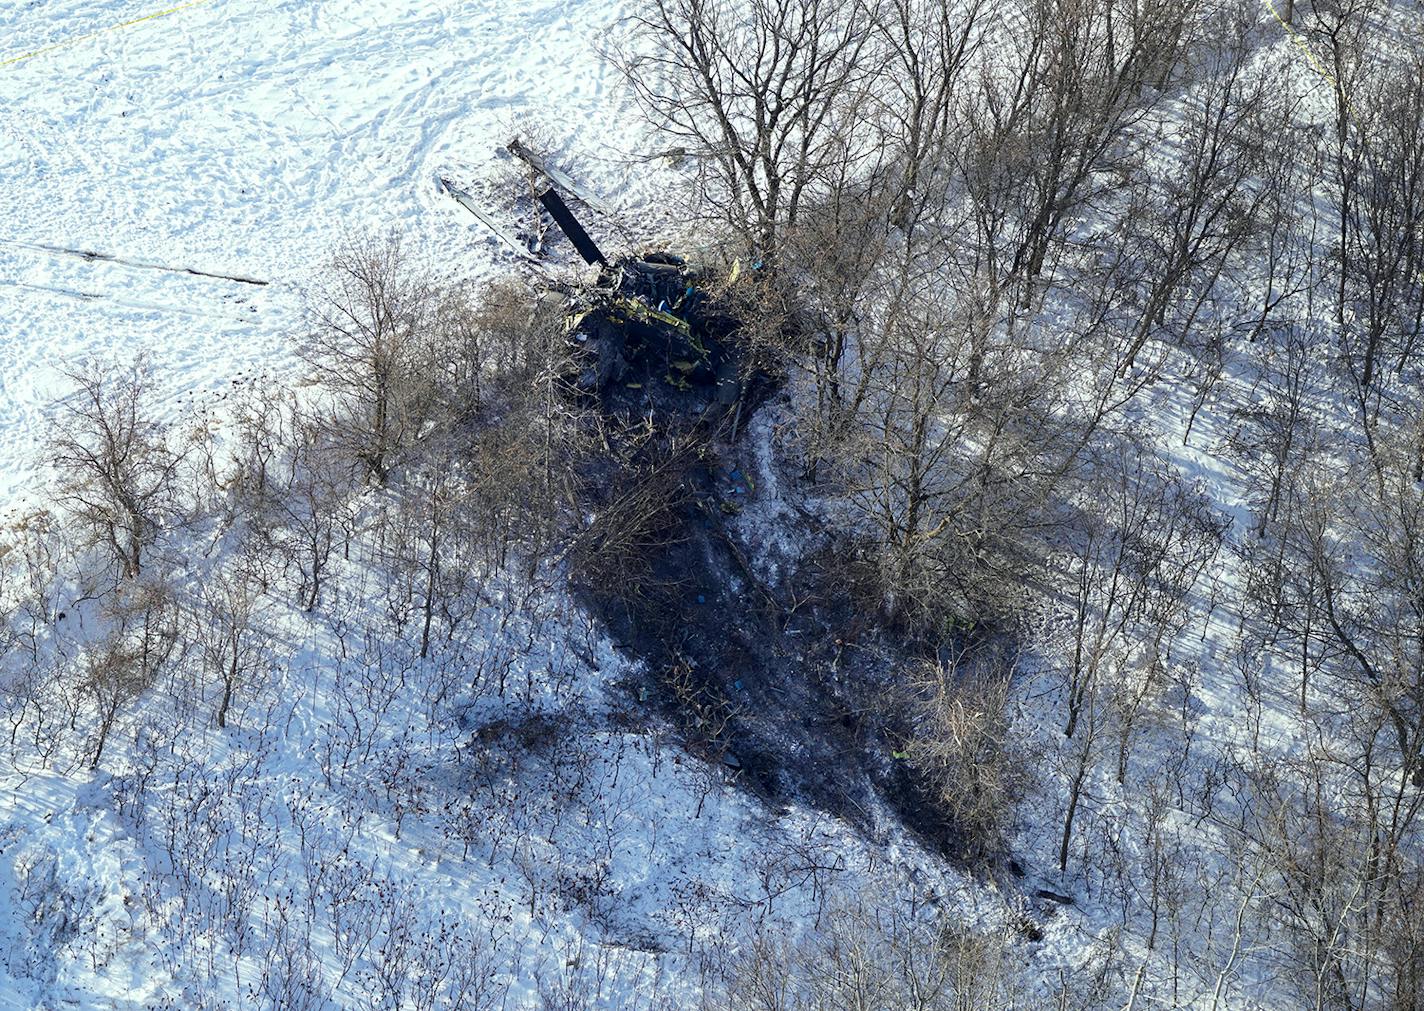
x: 961, y: 744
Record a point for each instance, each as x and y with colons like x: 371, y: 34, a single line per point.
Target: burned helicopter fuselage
x: 645, y: 323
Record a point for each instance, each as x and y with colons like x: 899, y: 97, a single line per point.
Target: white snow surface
x: 244, y: 138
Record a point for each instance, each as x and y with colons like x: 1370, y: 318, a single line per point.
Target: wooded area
x: 1016, y: 263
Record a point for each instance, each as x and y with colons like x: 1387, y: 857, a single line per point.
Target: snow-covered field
x: 242, y: 138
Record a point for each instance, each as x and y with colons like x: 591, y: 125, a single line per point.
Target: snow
x: 162, y: 877
x: 244, y: 139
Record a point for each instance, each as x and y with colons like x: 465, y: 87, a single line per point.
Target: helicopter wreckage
x: 648, y: 324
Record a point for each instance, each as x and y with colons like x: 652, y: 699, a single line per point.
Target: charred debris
x: 767, y: 676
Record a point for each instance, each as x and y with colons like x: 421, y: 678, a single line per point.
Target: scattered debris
x: 91, y: 256
x: 740, y: 670
x: 557, y: 176
x: 470, y: 204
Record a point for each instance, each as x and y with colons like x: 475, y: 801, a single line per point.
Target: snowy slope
x: 569, y: 858
x: 242, y: 139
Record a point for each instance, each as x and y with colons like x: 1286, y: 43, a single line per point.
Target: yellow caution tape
x: 91, y: 35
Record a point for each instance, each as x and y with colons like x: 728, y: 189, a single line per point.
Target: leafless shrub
x: 226, y: 624
x: 291, y: 977
x: 370, y: 346
x: 430, y: 541
x: 315, y: 506
x: 141, y: 638
x: 871, y: 958
x: 32, y: 564
x: 39, y: 702
x: 115, y: 462
x: 524, y: 432
x: 962, y: 744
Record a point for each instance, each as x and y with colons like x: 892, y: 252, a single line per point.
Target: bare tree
x: 1320, y: 880
x: 115, y: 463
x: 1070, y: 83
x: 1403, y: 943
x: 1147, y: 538
x: 763, y: 96
x: 1382, y: 219
x: 1200, y: 212
x: 370, y: 346
x: 930, y: 50
x: 941, y: 463
x: 1144, y: 540
x: 1358, y: 560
